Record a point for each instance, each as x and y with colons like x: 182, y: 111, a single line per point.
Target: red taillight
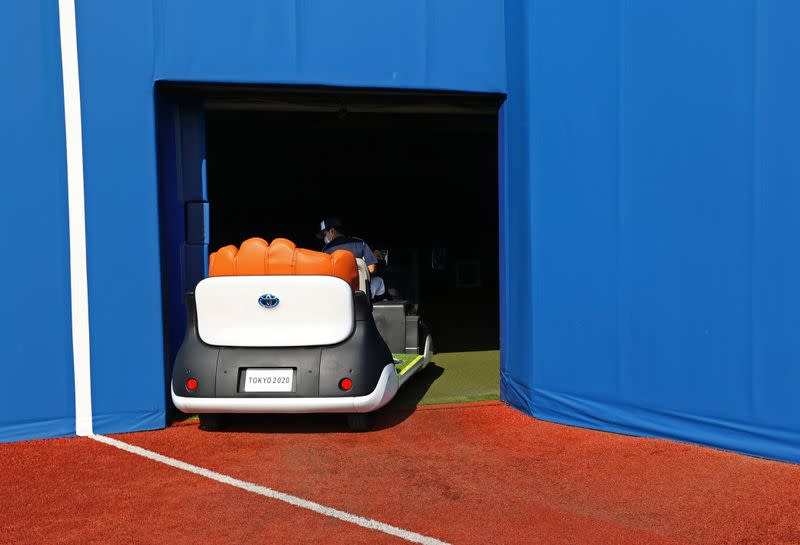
x: 191, y: 384
x: 345, y: 384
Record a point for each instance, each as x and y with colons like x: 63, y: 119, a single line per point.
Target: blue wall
x: 115, y: 54
x: 415, y: 43
x: 664, y: 207
x: 37, y: 390
x: 649, y: 193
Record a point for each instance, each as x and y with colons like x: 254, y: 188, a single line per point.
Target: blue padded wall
x: 420, y: 44
x: 115, y: 54
x: 649, y: 193
x: 663, y: 211
x: 516, y: 348
x: 37, y: 396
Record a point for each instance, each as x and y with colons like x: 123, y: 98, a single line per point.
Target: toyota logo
x: 268, y: 301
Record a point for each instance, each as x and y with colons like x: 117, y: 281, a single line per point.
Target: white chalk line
x: 364, y: 522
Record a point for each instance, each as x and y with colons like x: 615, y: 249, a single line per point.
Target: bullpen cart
x: 280, y: 329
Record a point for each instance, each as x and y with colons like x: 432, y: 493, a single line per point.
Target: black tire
x: 213, y: 422
x: 359, y: 422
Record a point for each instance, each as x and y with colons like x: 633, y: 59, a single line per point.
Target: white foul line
x: 79, y: 292
x: 412, y: 537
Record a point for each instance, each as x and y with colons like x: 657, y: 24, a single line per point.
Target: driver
x: 335, y: 239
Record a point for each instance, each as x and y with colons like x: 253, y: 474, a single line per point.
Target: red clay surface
x: 465, y: 474
x: 78, y: 491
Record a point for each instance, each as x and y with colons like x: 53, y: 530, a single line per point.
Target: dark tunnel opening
x: 423, y: 186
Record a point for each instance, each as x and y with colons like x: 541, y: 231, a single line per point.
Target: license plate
x: 269, y: 380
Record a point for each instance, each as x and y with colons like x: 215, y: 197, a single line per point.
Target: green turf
x: 400, y: 360
x: 453, y: 377
x: 403, y: 362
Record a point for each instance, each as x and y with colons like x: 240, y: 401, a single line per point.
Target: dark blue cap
x: 326, y: 224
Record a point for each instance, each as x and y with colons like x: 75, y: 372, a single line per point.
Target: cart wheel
x: 359, y: 421
x: 212, y: 422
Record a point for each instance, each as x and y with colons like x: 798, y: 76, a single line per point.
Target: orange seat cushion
x: 256, y: 256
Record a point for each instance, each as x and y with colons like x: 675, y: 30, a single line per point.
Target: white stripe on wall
x: 77, y: 218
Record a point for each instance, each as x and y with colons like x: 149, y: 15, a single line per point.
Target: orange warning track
x: 474, y: 474
x: 77, y: 491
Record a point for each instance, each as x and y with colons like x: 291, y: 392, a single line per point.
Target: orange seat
x: 258, y: 257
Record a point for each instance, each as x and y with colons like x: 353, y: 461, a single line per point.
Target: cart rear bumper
x: 383, y: 393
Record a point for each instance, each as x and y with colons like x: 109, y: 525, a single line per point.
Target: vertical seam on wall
x: 297, y: 39
x: 753, y: 238
x: 620, y: 314
x: 529, y: 165
x: 79, y: 292
x: 158, y: 40
x: 426, y: 58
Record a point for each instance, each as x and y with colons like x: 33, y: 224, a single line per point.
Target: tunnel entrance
x: 413, y: 174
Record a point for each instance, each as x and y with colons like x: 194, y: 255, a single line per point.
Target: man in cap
x: 335, y: 239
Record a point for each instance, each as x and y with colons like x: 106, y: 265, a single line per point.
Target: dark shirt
x: 355, y: 246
